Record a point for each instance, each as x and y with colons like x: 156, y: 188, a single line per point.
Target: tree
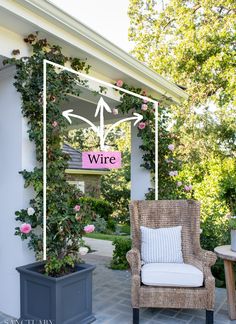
x: 193, y: 44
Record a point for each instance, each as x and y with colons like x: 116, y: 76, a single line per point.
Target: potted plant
x: 232, y: 226
x: 58, y: 289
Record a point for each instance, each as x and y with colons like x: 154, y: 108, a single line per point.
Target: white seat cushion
x: 171, y: 275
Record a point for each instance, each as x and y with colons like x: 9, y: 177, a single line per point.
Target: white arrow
x: 100, y: 131
x: 100, y: 108
x: 68, y: 113
x: 136, y: 117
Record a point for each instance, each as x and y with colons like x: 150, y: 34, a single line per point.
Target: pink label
x: 101, y: 160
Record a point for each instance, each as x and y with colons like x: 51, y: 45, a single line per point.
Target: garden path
x: 100, y: 247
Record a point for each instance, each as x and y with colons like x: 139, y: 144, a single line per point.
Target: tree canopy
x: 193, y: 43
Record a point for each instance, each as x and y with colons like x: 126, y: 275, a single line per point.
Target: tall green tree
x: 193, y: 43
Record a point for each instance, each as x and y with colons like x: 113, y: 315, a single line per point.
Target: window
x: 79, y: 184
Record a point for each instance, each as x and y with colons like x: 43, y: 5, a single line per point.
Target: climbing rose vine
x: 67, y: 218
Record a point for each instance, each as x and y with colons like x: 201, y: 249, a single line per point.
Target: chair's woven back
x: 167, y: 213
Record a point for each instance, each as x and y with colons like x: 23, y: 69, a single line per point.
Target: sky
x: 107, y: 17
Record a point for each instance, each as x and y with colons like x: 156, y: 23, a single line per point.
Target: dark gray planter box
x: 62, y: 300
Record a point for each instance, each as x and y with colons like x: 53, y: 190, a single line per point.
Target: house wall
x: 92, y: 183
x: 17, y: 153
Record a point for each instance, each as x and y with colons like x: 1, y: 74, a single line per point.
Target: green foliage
x: 111, y: 224
x: 189, y: 41
x: 168, y: 160
x: 59, y: 267
x: 115, y: 186
x: 122, y: 246
x: 100, y: 224
x: 64, y: 225
x: 102, y: 236
x: 124, y: 228
x: 191, y: 44
x: 207, y: 190
x: 98, y: 206
x: 228, y: 186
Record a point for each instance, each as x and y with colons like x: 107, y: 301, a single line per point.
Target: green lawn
x: 107, y: 237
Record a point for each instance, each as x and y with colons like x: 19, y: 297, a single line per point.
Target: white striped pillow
x: 161, y: 245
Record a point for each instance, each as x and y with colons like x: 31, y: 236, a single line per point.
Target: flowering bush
x: 170, y: 186
x: 67, y: 218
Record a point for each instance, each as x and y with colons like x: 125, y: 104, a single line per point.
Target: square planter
x: 62, y: 300
x: 233, y: 240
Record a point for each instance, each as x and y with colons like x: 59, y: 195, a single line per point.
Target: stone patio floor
x: 111, y: 301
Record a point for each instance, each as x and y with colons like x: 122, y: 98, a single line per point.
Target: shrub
x: 111, y: 224
x: 100, y: 224
x: 100, y: 206
x: 125, y: 228
x: 122, y: 246
x: 228, y: 186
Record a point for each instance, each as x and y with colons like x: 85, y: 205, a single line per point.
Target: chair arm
x: 203, y: 260
x: 133, y: 257
x: 208, y: 258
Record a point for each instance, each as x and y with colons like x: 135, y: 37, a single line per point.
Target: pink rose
x: 89, y: 228
x: 171, y: 147
x: 25, y: 228
x: 55, y: 124
x: 115, y: 111
x: 77, y: 208
x: 145, y: 101
x: 188, y: 188
x: 141, y: 125
x: 144, y: 107
x: 119, y: 83
x: 173, y: 173
x: 169, y: 161
x: 179, y: 184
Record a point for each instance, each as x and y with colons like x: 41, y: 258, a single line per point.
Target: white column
x: 140, y: 177
x: 16, y: 154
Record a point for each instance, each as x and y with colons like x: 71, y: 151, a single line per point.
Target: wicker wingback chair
x: 163, y: 213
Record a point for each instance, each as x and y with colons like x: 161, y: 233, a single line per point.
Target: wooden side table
x: 224, y: 252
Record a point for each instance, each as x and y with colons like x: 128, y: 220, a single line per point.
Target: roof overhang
x: 76, y: 39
